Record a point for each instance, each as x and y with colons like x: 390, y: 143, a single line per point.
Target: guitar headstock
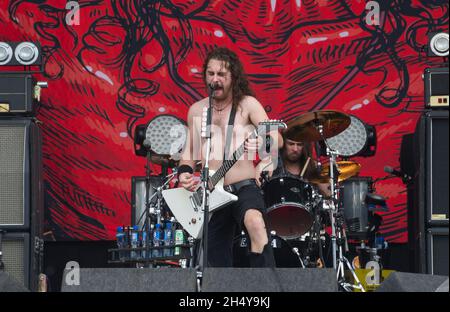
x: 270, y: 125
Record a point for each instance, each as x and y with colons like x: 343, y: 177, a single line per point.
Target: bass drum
x: 284, y: 256
x: 289, y: 206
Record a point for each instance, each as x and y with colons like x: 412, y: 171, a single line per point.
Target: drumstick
x: 304, y: 167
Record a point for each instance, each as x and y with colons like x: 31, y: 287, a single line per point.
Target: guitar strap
x: 229, y: 133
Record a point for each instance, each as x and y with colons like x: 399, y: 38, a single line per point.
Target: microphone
x: 406, y: 178
x: 213, y: 86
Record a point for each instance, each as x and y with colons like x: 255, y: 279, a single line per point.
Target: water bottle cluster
x: 164, y: 240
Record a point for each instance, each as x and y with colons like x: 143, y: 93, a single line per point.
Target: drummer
x: 294, y: 159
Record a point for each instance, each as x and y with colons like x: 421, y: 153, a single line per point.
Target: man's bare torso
x: 242, y: 169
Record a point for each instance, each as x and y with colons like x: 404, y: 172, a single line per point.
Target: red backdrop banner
x: 111, y: 65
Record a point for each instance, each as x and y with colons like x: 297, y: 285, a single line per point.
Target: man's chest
x: 223, y: 124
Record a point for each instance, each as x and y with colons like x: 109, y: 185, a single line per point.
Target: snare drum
x: 289, y: 206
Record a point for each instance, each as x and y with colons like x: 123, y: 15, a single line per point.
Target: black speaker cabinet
x: 428, y: 193
x: 437, y: 251
x: 16, y: 257
x: 16, y: 94
x: 10, y: 284
x: 436, y: 87
x: 21, y: 199
x: 21, y: 188
x: 432, y: 167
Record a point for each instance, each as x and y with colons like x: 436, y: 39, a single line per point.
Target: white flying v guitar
x: 186, y: 206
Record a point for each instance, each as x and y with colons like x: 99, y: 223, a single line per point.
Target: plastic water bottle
x: 380, y: 243
x: 179, y: 240
x: 150, y: 240
x: 144, y: 243
x: 120, y: 238
x: 157, y: 235
x: 168, y: 240
x: 135, y: 242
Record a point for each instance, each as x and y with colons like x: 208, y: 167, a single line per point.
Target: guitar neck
x: 228, y: 163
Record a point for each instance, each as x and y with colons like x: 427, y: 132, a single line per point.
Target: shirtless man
x: 224, y: 71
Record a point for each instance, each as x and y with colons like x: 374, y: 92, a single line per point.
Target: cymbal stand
x: 316, y: 239
x: 337, y: 222
x: 297, y: 253
x: 152, y: 210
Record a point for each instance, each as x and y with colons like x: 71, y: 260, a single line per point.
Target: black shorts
x: 249, y: 197
x: 227, y: 221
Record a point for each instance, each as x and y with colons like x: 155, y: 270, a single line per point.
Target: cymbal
x: 347, y: 169
x: 306, y: 127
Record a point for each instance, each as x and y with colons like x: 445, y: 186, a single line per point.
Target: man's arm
x: 188, y: 156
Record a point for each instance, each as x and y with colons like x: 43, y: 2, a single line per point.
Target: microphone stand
x: 338, y: 237
x: 148, y: 172
x: 2, y: 265
x: 205, y: 180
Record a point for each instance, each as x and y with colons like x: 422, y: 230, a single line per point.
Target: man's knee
x: 253, y: 221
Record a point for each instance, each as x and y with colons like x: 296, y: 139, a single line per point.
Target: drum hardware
x: 317, y: 126
x: 154, y: 211
x: 288, y: 201
x: 306, y: 127
x: 346, y: 170
x: 295, y: 250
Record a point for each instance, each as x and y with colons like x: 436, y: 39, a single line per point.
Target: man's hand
x: 265, y: 166
x: 252, y: 145
x: 187, y: 181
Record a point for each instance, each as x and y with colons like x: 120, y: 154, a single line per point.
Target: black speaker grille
x: 16, y: 256
x: 12, y: 168
x: 438, y: 161
x: 437, y: 245
x: 13, y: 259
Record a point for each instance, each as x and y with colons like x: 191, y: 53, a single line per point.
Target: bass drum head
x: 289, y: 220
x: 288, y: 201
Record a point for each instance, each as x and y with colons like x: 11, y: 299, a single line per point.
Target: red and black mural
x: 127, y: 61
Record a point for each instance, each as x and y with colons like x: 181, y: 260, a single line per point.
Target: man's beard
x: 293, y: 158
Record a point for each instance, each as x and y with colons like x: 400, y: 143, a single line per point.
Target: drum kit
x: 305, y: 225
